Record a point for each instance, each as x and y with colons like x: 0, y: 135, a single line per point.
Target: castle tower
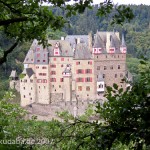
x: 14, y: 82
x: 67, y: 76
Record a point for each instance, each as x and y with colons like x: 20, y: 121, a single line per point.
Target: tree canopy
x: 26, y: 20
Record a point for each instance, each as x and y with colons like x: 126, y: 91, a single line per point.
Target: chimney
x: 107, y: 41
x: 90, y: 41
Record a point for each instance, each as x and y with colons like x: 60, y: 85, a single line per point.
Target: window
x: 98, y: 67
x: 30, y: 98
x: 80, y: 79
x: 88, y: 71
x: 118, y: 66
x: 118, y: 56
x: 42, y: 74
x: 54, y: 59
x: 115, y: 75
x: 101, y: 86
x: 59, y: 86
x: 31, y: 88
x: 31, y: 59
x: 38, y: 60
x: 105, y: 67
x: 25, y: 80
x: 39, y: 81
x: 53, y: 66
x: 62, y: 65
x: 24, y: 88
x: 31, y: 80
x: 79, y: 88
x: 44, y: 60
x: 24, y: 96
x: 106, y: 56
x: 103, y: 76
x: 61, y: 80
x: 38, y: 49
x: 53, y: 72
x: 90, y: 62
x: 39, y: 87
x: 53, y: 86
x: 29, y: 93
x: 80, y: 71
x: 53, y: 79
x: 121, y: 75
x: 97, y: 56
x: 62, y: 59
x: 87, y: 88
x: 37, y: 67
x: 44, y: 67
x: 111, y: 67
x: 88, y: 79
x: 56, y: 52
x: 44, y: 81
x: 44, y: 87
x: 78, y: 63
x: 38, y: 55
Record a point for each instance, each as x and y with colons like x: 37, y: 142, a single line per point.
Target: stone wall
x: 56, y: 97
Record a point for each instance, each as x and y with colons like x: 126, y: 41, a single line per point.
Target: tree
x: 26, y: 20
x: 123, y: 120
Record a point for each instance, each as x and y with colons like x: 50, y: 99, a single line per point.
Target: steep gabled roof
x: 72, y: 39
x: 82, y: 52
x: 65, y: 48
x: 28, y: 71
x: 29, y: 59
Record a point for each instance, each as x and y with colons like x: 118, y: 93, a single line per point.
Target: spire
x: 123, y: 43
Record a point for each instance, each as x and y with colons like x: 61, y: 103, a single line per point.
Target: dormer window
x: 112, y: 50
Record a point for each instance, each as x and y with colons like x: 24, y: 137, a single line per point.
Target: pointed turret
x: 123, y: 47
x: 112, y: 45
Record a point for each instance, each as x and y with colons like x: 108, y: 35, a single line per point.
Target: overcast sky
x: 137, y: 2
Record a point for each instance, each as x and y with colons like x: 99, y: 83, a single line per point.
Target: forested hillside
x: 137, y: 35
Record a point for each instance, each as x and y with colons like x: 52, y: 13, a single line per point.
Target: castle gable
x: 64, y: 48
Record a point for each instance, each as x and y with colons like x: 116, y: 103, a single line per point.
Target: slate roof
x: 28, y: 71
x: 13, y: 74
x: 72, y: 39
x: 29, y: 59
x: 114, y: 41
x: 65, y: 48
x: 82, y: 52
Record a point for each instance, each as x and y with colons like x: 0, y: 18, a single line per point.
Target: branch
x: 13, y: 20
x: 3, y: 59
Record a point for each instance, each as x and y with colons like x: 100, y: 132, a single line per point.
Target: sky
x: 137, y: 2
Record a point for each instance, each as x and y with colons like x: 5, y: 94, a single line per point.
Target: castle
x: 75, y: 67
